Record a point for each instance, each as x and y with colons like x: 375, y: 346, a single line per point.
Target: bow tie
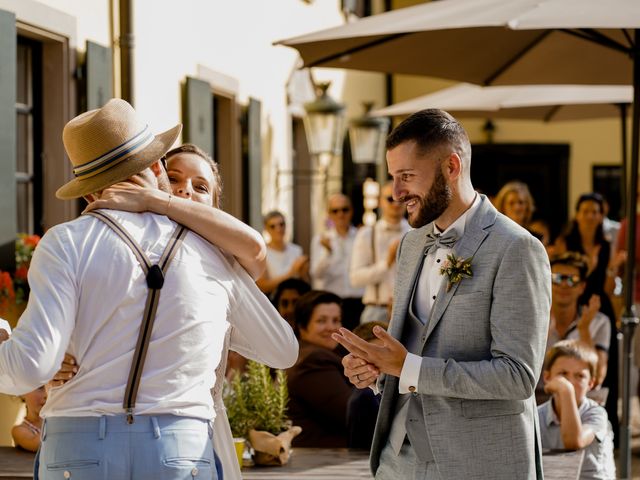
x: 436, y: 240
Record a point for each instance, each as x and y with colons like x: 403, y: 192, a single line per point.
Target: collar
x: 551, y: 418
x: 461, y: 222
x: 392, y: 227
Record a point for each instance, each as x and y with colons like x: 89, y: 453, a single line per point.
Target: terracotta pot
x: 272, y: 449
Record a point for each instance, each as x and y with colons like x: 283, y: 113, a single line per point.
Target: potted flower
x: 256, y: 404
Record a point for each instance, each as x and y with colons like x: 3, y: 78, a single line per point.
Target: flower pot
x: 272, y: 449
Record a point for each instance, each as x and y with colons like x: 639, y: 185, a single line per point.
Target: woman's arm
x: 217, y: 227
x: 25, y: 438
x: 299, y: 269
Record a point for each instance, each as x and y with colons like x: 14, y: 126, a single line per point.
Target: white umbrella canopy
x: 486, y: 42
x: 530, y: 102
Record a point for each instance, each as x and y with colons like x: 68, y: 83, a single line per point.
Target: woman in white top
x: 197, y: 189
x: 284, y: 259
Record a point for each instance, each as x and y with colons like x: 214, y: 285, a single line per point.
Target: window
x: 28, y: 136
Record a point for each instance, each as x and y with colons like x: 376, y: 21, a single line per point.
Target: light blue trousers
x: 162, y: 447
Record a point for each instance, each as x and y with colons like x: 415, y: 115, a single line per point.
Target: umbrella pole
x: 629, y: 318
x: 623, y: 107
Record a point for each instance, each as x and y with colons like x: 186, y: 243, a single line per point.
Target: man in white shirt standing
x: 331, y: 254
x: 87, y: 298
x: 373, y: 264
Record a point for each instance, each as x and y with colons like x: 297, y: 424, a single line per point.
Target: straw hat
x: 109, y: 145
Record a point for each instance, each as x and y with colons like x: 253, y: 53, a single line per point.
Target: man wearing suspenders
x: 143, y: 305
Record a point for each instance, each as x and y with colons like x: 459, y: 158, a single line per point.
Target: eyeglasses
x: 333, y: 211
x: 570, y: 280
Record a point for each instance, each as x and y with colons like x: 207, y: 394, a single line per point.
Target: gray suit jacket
x: 482, y: 352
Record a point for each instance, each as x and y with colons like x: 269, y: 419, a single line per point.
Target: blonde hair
x: 572, y: 349
x: 522, y: 190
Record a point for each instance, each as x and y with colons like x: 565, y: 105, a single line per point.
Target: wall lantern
x: 368, y: 135
x: 324, y: 124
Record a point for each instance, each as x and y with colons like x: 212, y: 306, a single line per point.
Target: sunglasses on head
x: 570, y: 280
x: 341, y: 209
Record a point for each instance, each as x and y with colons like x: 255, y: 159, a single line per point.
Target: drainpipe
x: 126, y: 50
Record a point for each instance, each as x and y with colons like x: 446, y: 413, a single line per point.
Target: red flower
x: 31, y: 240
x: 21, y: 272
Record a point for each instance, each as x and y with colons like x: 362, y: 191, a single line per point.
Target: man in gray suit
x: 459, y: 364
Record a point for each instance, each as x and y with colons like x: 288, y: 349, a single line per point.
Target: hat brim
x: 130, y: 166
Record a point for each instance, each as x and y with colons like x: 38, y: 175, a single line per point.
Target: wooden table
x: 15, y: 463
x: 562, y: 464
x: 308, y: 464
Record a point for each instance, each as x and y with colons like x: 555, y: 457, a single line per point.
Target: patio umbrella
x: 527, y: 102
x: 502, y: 42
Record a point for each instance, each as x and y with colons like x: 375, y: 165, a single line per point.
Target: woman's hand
x: 67, y: 371
x: 131, y: 197
x: 589, y: 312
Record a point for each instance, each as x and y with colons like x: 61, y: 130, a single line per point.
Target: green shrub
x: 254, y: 400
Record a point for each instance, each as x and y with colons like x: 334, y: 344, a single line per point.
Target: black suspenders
x: 155, y: 280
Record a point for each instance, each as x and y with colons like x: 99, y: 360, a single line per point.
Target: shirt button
x: 194, y: 472
x: 412, y: 389
x: 423, y: 338
x: 434, y: 297
x: 438, y: 260
x: 66, y: 474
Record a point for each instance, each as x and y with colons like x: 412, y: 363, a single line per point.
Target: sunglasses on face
x: 341, y: 209
x: 275, y: 225
x: 560, y: 278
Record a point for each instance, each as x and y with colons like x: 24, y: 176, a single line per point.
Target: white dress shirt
x: 365, y: 272
x: 429, y: 285
x: 330, y: 269
x: 87, y: 298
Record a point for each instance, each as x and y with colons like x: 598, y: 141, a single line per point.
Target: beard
x: 433, y: 204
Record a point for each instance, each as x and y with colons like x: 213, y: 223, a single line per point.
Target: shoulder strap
x: 155, y: 280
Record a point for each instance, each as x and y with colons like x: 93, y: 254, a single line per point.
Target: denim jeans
x: 162, y: 447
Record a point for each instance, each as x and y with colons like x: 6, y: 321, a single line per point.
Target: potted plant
x: 256, y: 404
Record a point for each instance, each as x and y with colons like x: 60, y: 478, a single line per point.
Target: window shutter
x: 8, y: 220
x: 197, y: 114
x: 254, y: 170
x: 99, y: 75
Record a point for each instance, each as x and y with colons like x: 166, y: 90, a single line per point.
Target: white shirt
x: 365, y: 272
x: 279, y: 262
x: 330, y: 270
x: 87, y: 298
x: 429, y: 285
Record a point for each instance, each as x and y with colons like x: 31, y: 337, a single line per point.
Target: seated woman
x: 27, y: 434
x: 318, y: 390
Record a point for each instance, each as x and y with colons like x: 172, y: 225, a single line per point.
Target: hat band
x: 116, y: 155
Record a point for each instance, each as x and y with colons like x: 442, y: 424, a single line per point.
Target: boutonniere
x: 456, y: 269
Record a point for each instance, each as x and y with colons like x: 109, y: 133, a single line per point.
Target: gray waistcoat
x: 408, y: 419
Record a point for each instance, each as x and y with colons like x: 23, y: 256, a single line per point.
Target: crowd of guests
x: 347, y: 280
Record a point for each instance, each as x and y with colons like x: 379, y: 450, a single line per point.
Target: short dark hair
x: 273, y: 214
x: 296, y: 284
x: 431, y: 128
x: 307, y: 303
x: 572, y: 349
x: 572, y: 259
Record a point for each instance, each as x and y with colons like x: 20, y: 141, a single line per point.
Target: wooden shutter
x: 99, y: 75
x: 254, y: 164
x: 197, y: 114
x: 8, y: 45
